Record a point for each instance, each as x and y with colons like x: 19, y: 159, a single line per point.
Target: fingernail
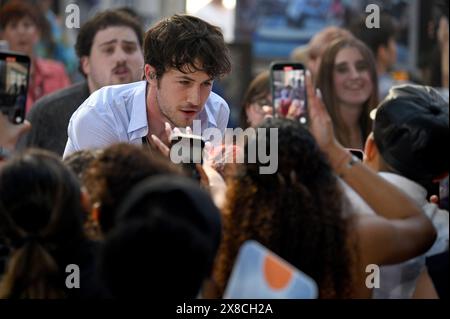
x: 308, y: 73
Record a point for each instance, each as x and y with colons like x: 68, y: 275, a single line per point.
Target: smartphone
x: 358, y: 153
x: 187, y: 149
x: 289, y: 91
x: 258, y: 273
x: 14, y: 74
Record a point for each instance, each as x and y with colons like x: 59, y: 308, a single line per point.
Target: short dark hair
x: 410, y: 128
x: 185, y: 41
x: 16, y: 10
x: 101, y: 21
x: 374, y: 37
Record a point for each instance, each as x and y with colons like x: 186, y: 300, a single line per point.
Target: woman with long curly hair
x: 301, y: 213
x: 279, y: 210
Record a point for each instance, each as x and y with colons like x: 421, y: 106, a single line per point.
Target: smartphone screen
x: 358, y: 153
x: 288, y: 91
x: 14, y: 72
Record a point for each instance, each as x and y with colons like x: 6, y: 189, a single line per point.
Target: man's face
x: 182, y: 96
x: 116, y: 58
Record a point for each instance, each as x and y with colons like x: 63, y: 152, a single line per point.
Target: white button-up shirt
x: 399, y: 281
x: 118, y: 113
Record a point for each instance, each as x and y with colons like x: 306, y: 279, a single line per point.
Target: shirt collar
x: 206, y: 116
x: 138, y: 126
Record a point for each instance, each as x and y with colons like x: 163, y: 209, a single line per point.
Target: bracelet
x: 353, y: 160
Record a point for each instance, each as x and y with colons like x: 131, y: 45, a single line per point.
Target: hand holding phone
x: 289, y: 91
x: 187, y: 149
x: 14, y: 73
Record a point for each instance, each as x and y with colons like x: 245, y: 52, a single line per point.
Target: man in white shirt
x: 407, y: 147
x: 182, y: 55
x: 109, y: 47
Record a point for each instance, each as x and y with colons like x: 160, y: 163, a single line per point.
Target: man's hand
x: 159, y: 145
x: 10, y: 133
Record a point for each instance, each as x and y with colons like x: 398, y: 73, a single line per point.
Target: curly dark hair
x: 297, y: 213
x: 188, y: 44
x: 115, y: 171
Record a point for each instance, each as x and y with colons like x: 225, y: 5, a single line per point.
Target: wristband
x: 348, y: 165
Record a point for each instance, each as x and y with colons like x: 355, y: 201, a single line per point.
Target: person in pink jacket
x: 20, y: 27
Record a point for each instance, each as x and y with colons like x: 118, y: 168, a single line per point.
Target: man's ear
x: 370, y: 149
x: 150, y: 74
x: 85, y: 64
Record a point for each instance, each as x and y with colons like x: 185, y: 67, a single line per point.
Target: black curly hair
x: 297, y: 213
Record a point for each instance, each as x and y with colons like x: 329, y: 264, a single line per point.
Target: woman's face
x: 22, y: 35
x: 351, y: 77
x: 258, y: 110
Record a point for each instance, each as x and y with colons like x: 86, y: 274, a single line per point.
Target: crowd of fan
x: 138, y: 225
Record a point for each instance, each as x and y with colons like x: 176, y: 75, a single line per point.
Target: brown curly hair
x: 115, y: 171
x: 297, y: 213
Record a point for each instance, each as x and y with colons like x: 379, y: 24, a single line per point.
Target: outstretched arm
x: 400, y: 229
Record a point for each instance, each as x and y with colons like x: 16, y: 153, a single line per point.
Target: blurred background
x: 261, y: 31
